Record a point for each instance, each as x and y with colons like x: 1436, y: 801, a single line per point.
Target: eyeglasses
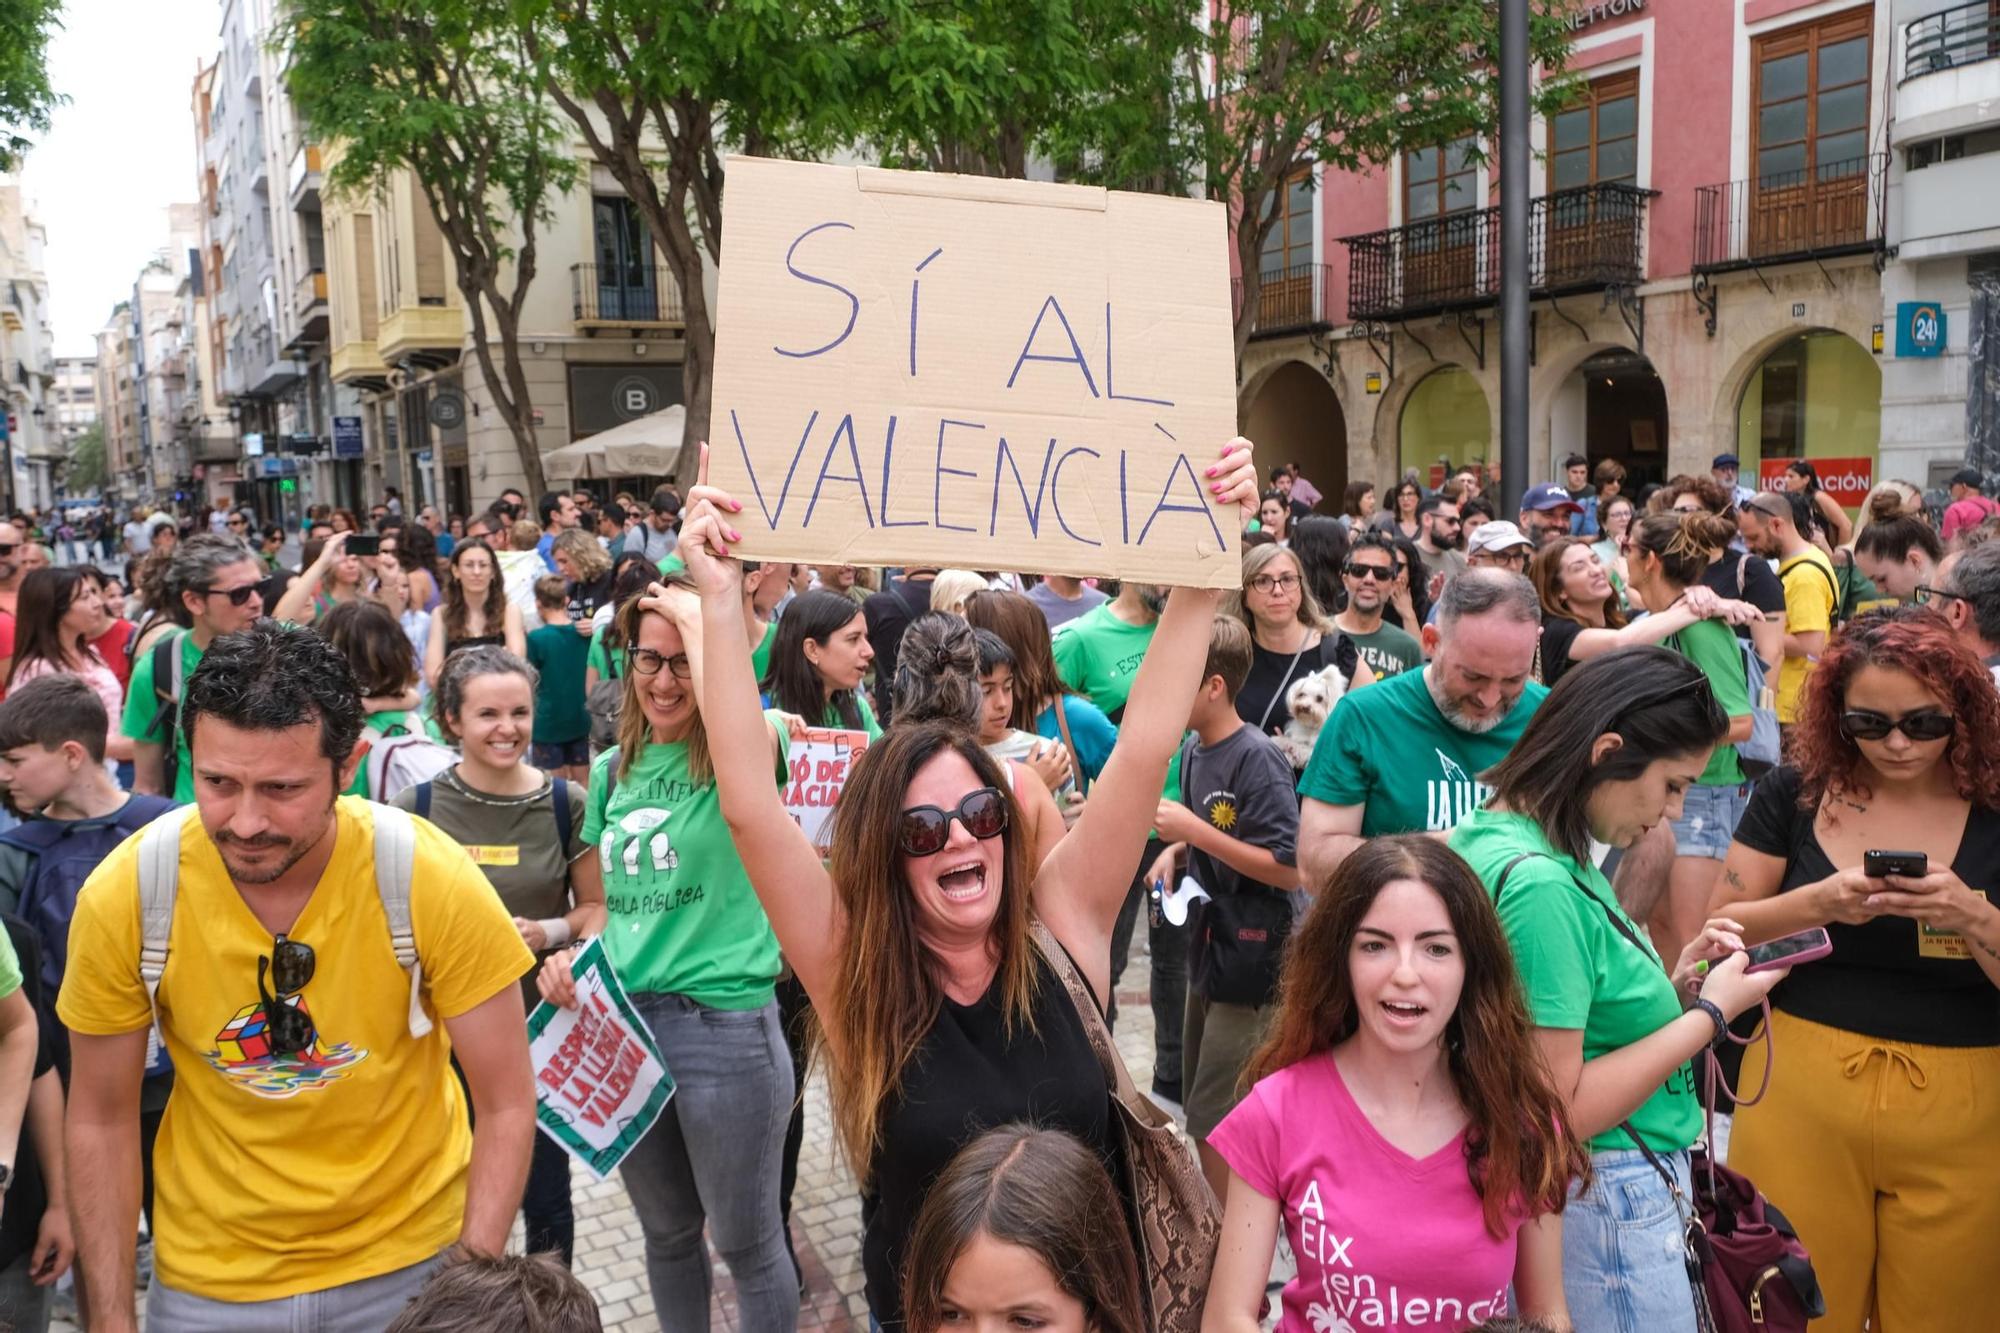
x: 1380, y: 573
x: 1929, y: 724
x: 648, y: 662
x: 235, y: 522
x: 926, y: 828
x: 290, y: 968
x: 1925, y: 593
x: 1270, y: 583
x: 236, y: 596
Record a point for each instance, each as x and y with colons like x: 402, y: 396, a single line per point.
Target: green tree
x: 26, y: 96
x: 449, y: 91
x: 84, y: 472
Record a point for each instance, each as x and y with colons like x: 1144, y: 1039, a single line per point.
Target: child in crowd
x: 559, y: 655
x: 484, y: 1293
x: 997, y: 733
x: 1234, y: 829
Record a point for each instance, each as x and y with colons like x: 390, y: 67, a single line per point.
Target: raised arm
x: 296, y: 606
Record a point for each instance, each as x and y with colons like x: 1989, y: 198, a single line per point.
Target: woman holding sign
x: 940, y: 1015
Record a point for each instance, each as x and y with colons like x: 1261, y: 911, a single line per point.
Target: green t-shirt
x: 760, y: 656
x: 141, y: 704
x: 10, y: 967
x: 393, y: 723
x: 559, y: 654
x: 1711, y: 645
x: 599, y: 657
x: 868, y: 722
x: 1389, y: 748
x: 1097, y: 655
x: 683, y: 917
x: 1578, y: 970
x: 1388, y: 651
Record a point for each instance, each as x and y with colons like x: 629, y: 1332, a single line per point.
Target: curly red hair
x: 1917, y: 641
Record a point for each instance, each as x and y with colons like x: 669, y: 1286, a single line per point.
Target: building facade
x: 1710, y: 223
x: 30, y: 441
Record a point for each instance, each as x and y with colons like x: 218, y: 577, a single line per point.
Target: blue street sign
x: 347, y: 437
x: 1919, y: 328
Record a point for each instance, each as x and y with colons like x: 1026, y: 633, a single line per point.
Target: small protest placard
x: 914, y: 368
x: 818, y: 761
x: 599, y: 1080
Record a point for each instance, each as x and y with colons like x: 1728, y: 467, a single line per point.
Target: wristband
x: 1714, y: 1013
x: 556, y: 929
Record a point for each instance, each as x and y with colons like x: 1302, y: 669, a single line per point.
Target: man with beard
x: 1545, y: 513
x: 307, y: 1174
x: 13, y: 568
x: 1369, y: 570
x: 1438, y: 539
x: 1404, y: 755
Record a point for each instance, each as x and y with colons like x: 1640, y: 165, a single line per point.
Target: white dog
x: 1310, y: 701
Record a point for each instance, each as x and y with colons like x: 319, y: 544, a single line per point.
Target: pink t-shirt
x: 95, y: 674
x: 1383, y: 1240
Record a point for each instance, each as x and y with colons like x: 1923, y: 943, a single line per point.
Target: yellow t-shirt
x: 281, y: 1175
x: 1809, y: 602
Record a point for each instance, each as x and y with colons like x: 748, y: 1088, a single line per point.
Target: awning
x: 649, y: 446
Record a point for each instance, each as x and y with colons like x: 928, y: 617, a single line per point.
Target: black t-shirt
x: 1558, y: 633
x: 1885, y: 978
x: 1747, y: 578
x: 1271, y: 674
x: 587, y: 595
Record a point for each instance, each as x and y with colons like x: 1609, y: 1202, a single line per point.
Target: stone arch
x: 1294, y: 414
x: 1398, y: 453
x: 1742, y: 377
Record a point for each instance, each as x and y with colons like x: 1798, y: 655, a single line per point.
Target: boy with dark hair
x: 475, y: 1293
x: 1235, y: 829
x: 559, y: 655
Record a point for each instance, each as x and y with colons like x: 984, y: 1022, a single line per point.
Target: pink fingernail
x: 735, y: 505
x: 735, y: 536
x: 1211, y: 472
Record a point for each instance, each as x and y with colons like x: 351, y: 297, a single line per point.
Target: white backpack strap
x: 159, y: 883
x: 395, y: 866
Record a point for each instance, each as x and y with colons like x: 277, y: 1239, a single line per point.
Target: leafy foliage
x: 85, y: 471
x: 26, y: 96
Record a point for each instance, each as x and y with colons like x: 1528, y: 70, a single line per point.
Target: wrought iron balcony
x: 1582, y: 239
x: 1833, y: 209
x: 624, y: 294
x: 1289, y: 300
x: 1950, y: 38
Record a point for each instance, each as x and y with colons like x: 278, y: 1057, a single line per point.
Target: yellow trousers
x: 1886, y: 1158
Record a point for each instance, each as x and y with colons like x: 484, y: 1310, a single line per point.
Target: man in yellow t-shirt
x: 314, y: 1151
x: 1773, y: 524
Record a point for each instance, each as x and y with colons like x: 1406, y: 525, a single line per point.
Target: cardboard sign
x: 1847, y: 480
x: 600, y: 1083
x: 918, y: 369
x: 819, y: 762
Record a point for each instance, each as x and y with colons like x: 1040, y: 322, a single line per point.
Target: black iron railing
x: 1951, y: 37
x: 1288, y: 299
x: 1589, y: 237
x: 624, y: 294
x: 1836, y: 208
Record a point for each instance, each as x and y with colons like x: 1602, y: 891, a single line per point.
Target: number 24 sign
x: 1920, y: 328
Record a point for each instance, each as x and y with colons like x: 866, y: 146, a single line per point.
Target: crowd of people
x: 1455, y: 836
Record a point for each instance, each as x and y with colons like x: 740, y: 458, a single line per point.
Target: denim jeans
x: 1169, y: 946
x: 366, y: 1306
x: 24, y: 1307
x: 1623, y: 1270
x: 713, y: 1160
x: 545, y: 1205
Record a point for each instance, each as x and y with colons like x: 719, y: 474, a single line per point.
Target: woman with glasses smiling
x: 1290, y: 637
x: 1887, y: 1052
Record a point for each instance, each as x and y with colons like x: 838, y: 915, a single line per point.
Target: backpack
x: 170, y: 665
x: 1759, y: 754
x: 605, y: 702
x: 65, y: 852
x: 159, y: 885
x: 399, y: 758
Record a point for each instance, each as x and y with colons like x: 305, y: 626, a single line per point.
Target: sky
x: 119, y: 153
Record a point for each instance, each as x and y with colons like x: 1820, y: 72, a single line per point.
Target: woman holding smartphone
x: 1888, y: 1051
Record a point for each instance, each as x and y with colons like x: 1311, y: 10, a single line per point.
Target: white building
x: 29, y: 437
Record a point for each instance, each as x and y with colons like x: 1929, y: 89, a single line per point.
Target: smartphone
x: 1790, y: 950
x: 363, y: 544
x: 1876, y: 864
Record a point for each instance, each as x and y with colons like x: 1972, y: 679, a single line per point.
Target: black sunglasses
x: 290, y: 968
x: 1380, y: 573
x: 1929, y: 724
x: 8, y: 548
x: 1697, y: 687
x: 926, y: 828
x: 236, y: 596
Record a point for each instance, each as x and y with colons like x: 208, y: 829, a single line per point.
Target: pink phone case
x: 1818, y: 951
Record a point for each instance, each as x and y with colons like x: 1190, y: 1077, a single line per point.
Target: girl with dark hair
x: 343, y: 520
x: 416, y: 550
x: 997, y: 732
x: 1896, y: 548
x: 1581, y: 618
x: 1400, y: 1066
x: 1888, y: 1050
x: 56, y: 613
x: 1829, y: 518
x: 1043, y: 704
x: 1357, y: 506
x: 939, y: 1010
x: 1608, y: 755
x: 475, y: 610
x: 378, y: 651
x: 1409, y: 604
x: 1320, y: 543
x: 1023, y: 1229
x: 331, y: 578
x: 1274, y: 513
x: 534, y: 855
x: 818, y: 662
x: 1400, y: 518
x: 111, y: 636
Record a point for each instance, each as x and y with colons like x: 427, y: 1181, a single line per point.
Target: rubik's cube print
x: 247, y: 1037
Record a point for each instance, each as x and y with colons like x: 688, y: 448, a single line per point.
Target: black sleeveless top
x: 965, y: 1078
x: 477, y: 641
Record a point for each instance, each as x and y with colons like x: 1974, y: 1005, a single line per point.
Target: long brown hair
x: 1520, y: 1149
x: 887, y: 988
x: 493, y: 614
x: 1044, y: 1191
x: 44, y: 599
x: 635, y: 733
x: 1025, y: 630
x: 1545, y: 572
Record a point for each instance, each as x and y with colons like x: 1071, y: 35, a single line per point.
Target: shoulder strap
x: 395, y: 865
x: 159, y: 884
x: 1284, y: 684
x: 559, y: 789
x: 1742, y: 567
x: 1187, y: 752
x: 1087, y: 1011
x: 167, y: 666
x: 1075, y: 762
x: 423, y: 799
x: 1501, y: 886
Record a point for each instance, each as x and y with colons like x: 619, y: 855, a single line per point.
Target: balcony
x: 624, y: 296
x: 1950, y: 38
x: 427, y: 335
x: 1835, y: 209
x: 309, y: 304
x: 1289, y: 300
x: 1584, y: 239
x: 305, y: 178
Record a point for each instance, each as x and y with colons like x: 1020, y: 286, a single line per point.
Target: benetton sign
x: 1604, y: 9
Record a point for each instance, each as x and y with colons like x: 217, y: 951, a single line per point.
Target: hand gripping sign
x: 600, y: 1083
x: 920, y: 369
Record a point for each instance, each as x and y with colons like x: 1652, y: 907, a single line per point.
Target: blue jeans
x: 712, y: 1160
x: 1709, y: 816
x: 366, y: 1306
x: 1623, y: 1270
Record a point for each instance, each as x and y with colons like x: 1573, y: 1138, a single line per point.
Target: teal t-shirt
x: 760, y: 656
x: 141, y: 704
x: 1097, y: 655
x: 599, y: 657
x: 559, y: 654
x: 1711, y: 645
x: 1389, y: 748
x: 683, y: 917
x: 1578, y: 970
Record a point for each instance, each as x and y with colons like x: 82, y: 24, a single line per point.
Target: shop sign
x: 1602, y: 10
x: 253, y: 444
x: 602, y: 397
x: 347, y: 437
x: 447, y: 409
x: 1919, y: 328
x: 1372, y: 382
x: 1848, y: 480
